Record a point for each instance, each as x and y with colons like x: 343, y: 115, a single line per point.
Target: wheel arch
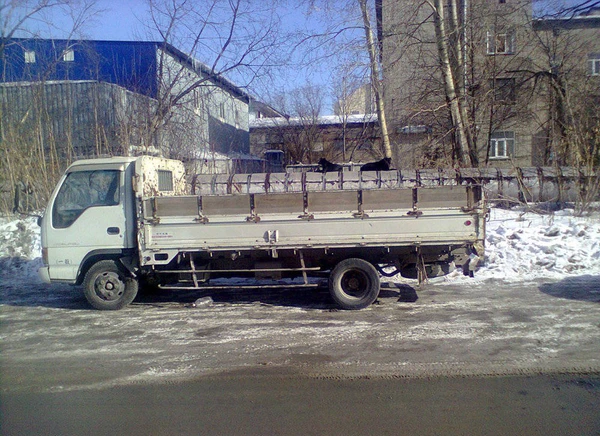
x: 124, y: 259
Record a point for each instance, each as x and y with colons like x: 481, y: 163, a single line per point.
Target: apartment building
x: 508, y: 67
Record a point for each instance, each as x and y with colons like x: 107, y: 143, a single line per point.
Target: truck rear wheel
x: 107, y: 287
x: 354, y: 284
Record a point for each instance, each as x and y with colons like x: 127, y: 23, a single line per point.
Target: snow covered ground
x: 532, y: 307
x: 519, y: 246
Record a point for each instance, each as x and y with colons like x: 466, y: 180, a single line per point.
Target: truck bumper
x: 44, y: 274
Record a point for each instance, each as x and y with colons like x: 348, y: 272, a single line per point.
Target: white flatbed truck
x: 116, y: 222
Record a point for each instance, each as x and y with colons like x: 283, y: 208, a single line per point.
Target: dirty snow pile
x: 519, y: 246
x: 525, y: 245
x: 20, y: 247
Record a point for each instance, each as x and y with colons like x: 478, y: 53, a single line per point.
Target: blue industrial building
x: 121, y: 82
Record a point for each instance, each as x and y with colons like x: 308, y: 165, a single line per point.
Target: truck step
x: 233, y: 286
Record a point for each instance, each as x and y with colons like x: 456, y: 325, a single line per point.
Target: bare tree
x: 29, y: 153
x: 343, y: 90
x: 563, y: 78
x: 231, y: 37
x: 470, y: 57
x: 300, y: 133
x: 447, y: 42
x: 374, y: 58
x: 347, y: 33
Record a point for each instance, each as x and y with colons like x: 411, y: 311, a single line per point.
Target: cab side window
x: 82, y: 190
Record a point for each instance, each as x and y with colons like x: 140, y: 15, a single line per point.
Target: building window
x: 594, y: 64
x: 502, y: 145
x: 29, y: 57
x: 222, y: 110
x: 68, y: 55
x: 504, y: 90
x: 501, y: 42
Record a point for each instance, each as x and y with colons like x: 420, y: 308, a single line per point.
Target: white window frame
x: 508, y: 41
x: 68, y: 55
x: 29, y: 56
x: 502, y: 145
x: 594, y: 65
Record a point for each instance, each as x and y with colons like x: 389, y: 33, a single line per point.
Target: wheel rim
x: 355, y: 283
x: 109, y: 286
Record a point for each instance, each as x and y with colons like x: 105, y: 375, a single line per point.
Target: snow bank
x: 524, y: 245
x: 20, y: 247
x: 519, y: 246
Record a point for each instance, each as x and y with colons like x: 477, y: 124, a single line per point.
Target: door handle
x: 113, y: 230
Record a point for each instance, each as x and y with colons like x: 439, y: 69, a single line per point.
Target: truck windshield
x: 82, y: 190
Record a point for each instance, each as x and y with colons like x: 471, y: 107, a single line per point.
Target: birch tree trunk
x: 375, y: 81
x: 465, y: 149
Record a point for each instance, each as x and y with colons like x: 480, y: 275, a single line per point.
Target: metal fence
x: 534, y: 184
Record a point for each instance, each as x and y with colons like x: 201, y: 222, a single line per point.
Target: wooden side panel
x: 329, y: 201
x: 279, y: 203
x: 387, y: 199
x: 442, y: 196
x: 174, y: 206
x: 226, y: 205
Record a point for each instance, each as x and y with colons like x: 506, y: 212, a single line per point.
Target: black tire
x: 107, y: 287
x: 354, y: 284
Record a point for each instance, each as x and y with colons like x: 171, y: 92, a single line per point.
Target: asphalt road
x: 266, y: 404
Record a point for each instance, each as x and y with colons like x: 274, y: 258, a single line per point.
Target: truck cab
x: 91, y: 215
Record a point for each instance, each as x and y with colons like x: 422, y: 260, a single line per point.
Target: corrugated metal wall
x: 77, y: 118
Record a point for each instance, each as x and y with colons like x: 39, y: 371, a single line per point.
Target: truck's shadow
x: 309, y: 298
x: 405, y: 293
x: 306, y: 298
x: 581, y: 288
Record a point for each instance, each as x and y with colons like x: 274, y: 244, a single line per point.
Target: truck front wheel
x: 354, y: 284
x: 107, y: 287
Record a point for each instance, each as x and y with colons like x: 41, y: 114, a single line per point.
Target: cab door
x: 88, y: 215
